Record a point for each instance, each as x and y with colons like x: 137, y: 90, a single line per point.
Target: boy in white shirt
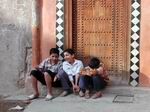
x: 71, y: 69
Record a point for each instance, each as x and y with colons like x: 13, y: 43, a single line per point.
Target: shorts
x: 40, y: 77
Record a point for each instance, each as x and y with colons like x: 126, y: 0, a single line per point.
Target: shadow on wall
x: 144, y: 80
x: 121, y: 79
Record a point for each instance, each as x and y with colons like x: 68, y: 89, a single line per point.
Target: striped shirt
x: 47, y: 65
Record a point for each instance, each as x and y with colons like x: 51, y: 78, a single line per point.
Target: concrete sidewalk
x: 128, y: 99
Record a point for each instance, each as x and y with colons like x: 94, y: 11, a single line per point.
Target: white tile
x: 135, y: 52
x: 59, y: 28
x: 134, y: 67
x: 135, y: 13
x: 135, y: 28
x: 135, y: 20
x: 59, y: 20
x: 134, y: 59
x: 134, y: 83
x: 60, y: 0
x: 135, y: 5
x: 59, y: 36
x: 59, y: 43
x: 134, y: 75
x: 60, y: 50
x: 60, y: 13
x: 135, y: 36
x: 59, y: 5
x: 135, y: 44
x: 60, y: 58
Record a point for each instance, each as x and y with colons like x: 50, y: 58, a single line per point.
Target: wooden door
x: 100, y: 28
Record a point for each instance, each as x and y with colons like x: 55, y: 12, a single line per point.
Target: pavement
x: 114, y: 99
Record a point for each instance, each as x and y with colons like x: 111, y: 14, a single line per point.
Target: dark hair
x: 94, y: 63
x: 70, y: 51
x: 54, y: 50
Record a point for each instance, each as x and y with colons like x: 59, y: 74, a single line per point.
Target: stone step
x: 126, y: 90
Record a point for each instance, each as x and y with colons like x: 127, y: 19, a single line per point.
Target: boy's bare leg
x: 34, y: 85
x: 48, y: 81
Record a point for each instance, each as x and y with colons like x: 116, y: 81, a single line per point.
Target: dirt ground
x: 6, y: 105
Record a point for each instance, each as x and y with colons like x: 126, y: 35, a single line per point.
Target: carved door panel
x: 100, y: 28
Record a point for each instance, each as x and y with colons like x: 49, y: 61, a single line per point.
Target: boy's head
x: 69, y: 55
x: 70, y: 51
x: 94, y: 63
x: 54, y: 55
x: 54, y: 50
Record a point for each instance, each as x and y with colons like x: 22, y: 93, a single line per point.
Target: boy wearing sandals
x: 70, y: 74
x: 94, y: 76
x: 45, y: 73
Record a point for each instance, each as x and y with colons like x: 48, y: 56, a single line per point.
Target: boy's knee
x: 46, y: 74
x: 96, y: 79
x: 33, y: 72
x: 61, y: 73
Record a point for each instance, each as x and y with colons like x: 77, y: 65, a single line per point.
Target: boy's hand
x: 55, y: 78
x: 75, y: 89
x: 93, y: 71
x: 85, y: 71
x: 82, y: 71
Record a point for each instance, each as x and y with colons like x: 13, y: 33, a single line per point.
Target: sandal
x: 97, y: 95
x: 48, y: 97
x: 32, y: 97
x: 87, y: 95
x: 81, y: 93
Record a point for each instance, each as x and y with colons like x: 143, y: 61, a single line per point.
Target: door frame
x: 68, y: 24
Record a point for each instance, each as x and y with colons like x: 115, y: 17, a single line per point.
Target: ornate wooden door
x: 100, y: 28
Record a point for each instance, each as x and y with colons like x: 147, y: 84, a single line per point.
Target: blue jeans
x: 81, y: 83
x: 96, y: 82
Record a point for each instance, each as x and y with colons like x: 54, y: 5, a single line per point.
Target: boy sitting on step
x: 94, y: 74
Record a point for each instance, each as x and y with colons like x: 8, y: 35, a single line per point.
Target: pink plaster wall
x: 145, y: 44
x: 48, y: 20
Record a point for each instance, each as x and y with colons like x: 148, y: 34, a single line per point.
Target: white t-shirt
x: 72, y: 69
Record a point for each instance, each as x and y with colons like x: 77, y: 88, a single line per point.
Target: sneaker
x: 81, y: 93
x: 97, y: 95
x: 48, y: 97
x: 64, y: 93
x: 32, y: 97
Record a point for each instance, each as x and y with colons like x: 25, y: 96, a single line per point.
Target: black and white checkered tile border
x: 135, y: 36
x: 60, y: 26
x: 135, y: 43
